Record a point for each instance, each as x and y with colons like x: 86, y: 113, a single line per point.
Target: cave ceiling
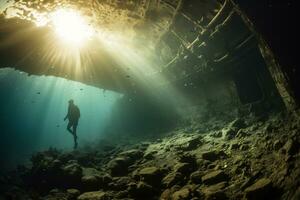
x: 24, y: 43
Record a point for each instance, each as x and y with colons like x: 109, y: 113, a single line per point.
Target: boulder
x: 277, y: 145
x: 86, y: 171
x: 99, y: 195
x: 149, y: 155
x: 121, y: 195
x: 144, y: 189
x: 261, y: 189
x: 187, y: 158
x: 54, y: 191
x: 217, y: 134
x: 244, y: 147
x: 121, y: 183
x: 241, y: 133
x: 213, y: 155
x: 91, y: 182
x: 166, y: 195
x: 172, y: 179
x: 150, y: 175
x: 297, y: 194
x: 214, y: 177
x: 182, y: 194
x: 183, y: 168
x: 237, y: 123
x: 195, y: 177
x: 56, y: 196
x: 119, y: 166
x: 106, y: 179
x: 140, y: 190
x: 73, y: 170
x: 229, y: 133
x: 192, y: 144
x: 72, y: 174
x: 73, y: 193
x: 234, y: 146
x: 133, y: 154
x: 215, y: 192
x: 291, y: 147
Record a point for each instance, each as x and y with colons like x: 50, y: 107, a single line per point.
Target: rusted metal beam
x: 274, y: 67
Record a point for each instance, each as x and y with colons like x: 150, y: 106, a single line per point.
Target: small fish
x: 38, y: 93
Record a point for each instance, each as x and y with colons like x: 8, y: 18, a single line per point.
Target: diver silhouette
x: 73, y: 116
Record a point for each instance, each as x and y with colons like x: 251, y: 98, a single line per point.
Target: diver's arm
x: 67, y: 114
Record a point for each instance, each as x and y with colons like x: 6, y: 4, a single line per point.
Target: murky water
x: 32, y: 110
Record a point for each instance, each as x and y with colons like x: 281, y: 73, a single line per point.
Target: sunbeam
x: 71, y: 26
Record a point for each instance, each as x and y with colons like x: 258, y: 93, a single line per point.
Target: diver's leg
x: 75, y: 136
x: 69, y: 128
x: 75, y: 130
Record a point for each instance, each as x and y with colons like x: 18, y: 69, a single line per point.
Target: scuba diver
x: 73, y: 117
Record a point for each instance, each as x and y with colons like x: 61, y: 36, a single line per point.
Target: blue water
x: 32, y: 109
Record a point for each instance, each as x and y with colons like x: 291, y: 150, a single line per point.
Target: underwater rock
x: 106, y: 179
x: 172, y: 179
x: 149, y: 155
x: 187, y: 157
x: 217, y: 134
x: 88, y: 171
x: 119, y: 166
x: 237, y: 123
x: 297, y: 194
x: 229, y: 133
x: 90, y: 183
x: 202, y: 173
x: 214, y: 177
x: 92, y: 179
x: 151, y: 175
x: 121, y: 195
x: 213, y: 155
x: 183, y: 194
x: 99, y: 195
x: 15, y: 193
x: 58, y: 196
x: 259, y: 190
x: 166, y: 195
x: 72, y: 174
x: 140, y: 190
x: 241, y: 133
x: 196, y: 176
x: 73, y: 193
x: 291, y: 147
x: 244, y: 147
x: 277, y: 145
x: 133, y: 154
x: 144, y: 189
x: 191, y: 144
x: 215, y: 192
x: 234, y: 146
x: 183, y: 168
x: 120, y: 183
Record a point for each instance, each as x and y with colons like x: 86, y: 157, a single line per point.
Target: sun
x: 71, y: 27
